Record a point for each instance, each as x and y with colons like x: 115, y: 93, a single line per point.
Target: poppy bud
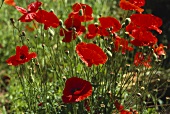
x: 43, y: 45
x: 127, y: 21
x: 64, y: 78
x: 12, y: 20
x: 28, y: 39
x: 167, y: 98
x: 156, y: 90
x: 81, y: 12
x: 23, y: 33
x: 51, y: 10
x: 35, y: 36
x: 6, y: 79
x: 61, y: 23
x: 37, y: 64
x: 158, y: 80
x: 83, y: 6
x: 121, y: 18
x: 51, y: 32
x: 74, y: 29
x: 67, y: 52
x: 109, y: 53
x: 128, y: 66
x: 94, y: 41
x: 109, y: 93
x: 106, y: 38
x: 109, y: 48
x: 102, y: 105
x: 123, y: 25
x: 40, y: 8
x: 102, y: 37
x: 139, y: 94
x: 142, y: 88
x: 137, y: 70
x: 96, y: 24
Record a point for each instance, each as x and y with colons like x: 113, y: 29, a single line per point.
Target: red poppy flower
x: 140, y: 59
x: 10, y: 2
x: 132, y: 5
x: 120, y: 108
x: 82, y: 12
x: 94, y: 30
x: 159, y: 50
x: 142, y: 37
x: 22, y: 56
x: 148, y: 21
x: 30, y: 13
x: 91, y: 54
x: 49, y: 19
x: 76, y: 89
x: 109, y: 24
x: 73, y: 28
x: 121, y: 44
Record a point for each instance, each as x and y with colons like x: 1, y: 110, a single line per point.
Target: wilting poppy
x: 30, y: 13
x: 82, y: 12
x: 49, y: 19
x: 142, y: 60
x: 72, y: 30
x: 76, y: 89
x: 159, y: 50
x: 91, y: 54
x: 121, y: 44
x: 147, y: 21
x: 109, y: 24
x: 86, y: 104
x: 120, y: 108
x: 10, y: 2
x: 132, y: 5
x: 22, y: 56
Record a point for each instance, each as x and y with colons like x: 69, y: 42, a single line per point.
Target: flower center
x: 22, y: 57
x: 75, y: 90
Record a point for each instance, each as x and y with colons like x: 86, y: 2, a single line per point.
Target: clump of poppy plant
x: 109, y: 78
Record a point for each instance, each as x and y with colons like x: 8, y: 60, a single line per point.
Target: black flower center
x: 22, y: 57
x: 74, y: 90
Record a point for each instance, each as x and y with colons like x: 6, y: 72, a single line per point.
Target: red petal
x: 73, y: 85
x: 33, y: 7
x: 91, y: 54
x: 22, y: 10
x: 126, y: 5
x: 110, y: 22
x: 10, y: 2
x: 147, y: 21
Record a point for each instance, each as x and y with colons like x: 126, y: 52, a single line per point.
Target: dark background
x: 161, y: 8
